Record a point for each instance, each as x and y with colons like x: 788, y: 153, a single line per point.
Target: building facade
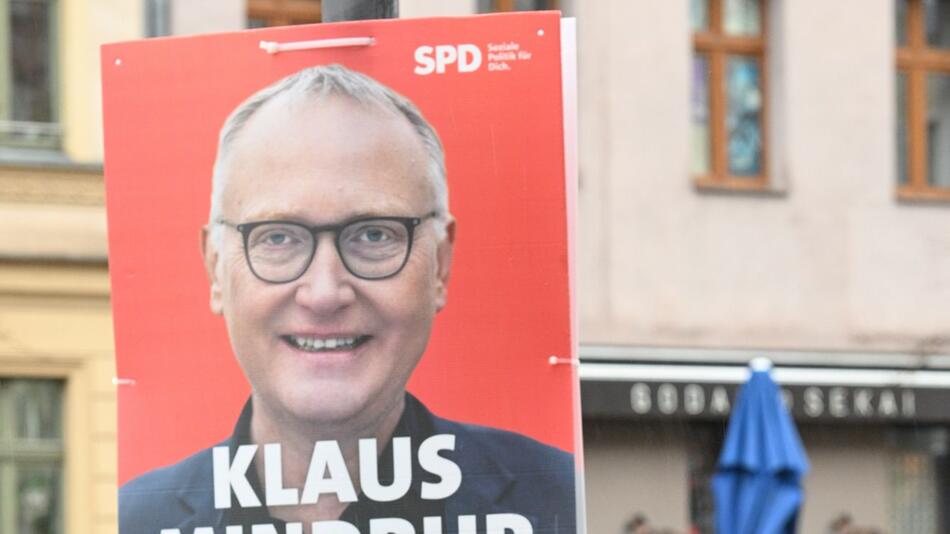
x: 57, y: 401
x: 757, y: 178
x: 765, y: 178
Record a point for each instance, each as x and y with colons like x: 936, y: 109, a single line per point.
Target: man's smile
x: 322, y: 344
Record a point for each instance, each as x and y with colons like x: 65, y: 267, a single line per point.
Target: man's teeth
x: 316, y: 343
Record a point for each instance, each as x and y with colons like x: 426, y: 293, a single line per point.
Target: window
x: 728, y: 93
x: 702, y: 455
x: 920, y: 479
x: 493, y: 6
x: 31, y: 456
x: 28, y: 110
x: 923, y: 98
x: 261, y: 13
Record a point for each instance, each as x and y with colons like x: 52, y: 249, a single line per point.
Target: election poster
x: 340, y: 258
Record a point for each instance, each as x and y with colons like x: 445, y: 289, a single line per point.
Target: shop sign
x: 651, y: 399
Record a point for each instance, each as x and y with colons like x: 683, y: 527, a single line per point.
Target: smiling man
x: 328, y: 250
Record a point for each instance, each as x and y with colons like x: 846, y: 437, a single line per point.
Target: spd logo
x: 429, y: 59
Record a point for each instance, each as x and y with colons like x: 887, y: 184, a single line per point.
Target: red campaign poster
x: 341, y: 279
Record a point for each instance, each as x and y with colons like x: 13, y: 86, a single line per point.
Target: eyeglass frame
x: 410, y: 223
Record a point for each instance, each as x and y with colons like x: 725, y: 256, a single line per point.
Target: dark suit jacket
x: 502, y: 472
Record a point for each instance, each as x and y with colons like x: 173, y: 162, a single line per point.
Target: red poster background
x: 508, y: 309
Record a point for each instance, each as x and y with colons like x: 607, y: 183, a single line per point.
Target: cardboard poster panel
x: 340, y: 317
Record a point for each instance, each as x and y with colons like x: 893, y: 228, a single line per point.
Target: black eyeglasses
x: 371, y: 248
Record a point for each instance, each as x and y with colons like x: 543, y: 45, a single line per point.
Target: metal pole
x: 340, y: 10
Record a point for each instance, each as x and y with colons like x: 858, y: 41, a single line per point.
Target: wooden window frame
x: 916, y: 60
x: 717, y: 46
x: 285, y: 12
x: 503, y: 6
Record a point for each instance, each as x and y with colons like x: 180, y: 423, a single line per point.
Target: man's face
x: 323, y: 162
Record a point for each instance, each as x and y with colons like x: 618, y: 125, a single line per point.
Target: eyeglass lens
x: 371, y: 248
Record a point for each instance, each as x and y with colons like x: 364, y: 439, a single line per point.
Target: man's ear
x: 444, y: 259
x: 209, y: 251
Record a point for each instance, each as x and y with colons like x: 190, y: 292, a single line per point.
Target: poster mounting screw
x: 554, y: 360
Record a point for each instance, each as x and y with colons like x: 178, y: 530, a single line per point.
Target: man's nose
x: 325, y: 286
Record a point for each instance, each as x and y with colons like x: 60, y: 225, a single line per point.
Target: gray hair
x: 319, y: 82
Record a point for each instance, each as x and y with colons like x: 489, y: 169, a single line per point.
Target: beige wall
x: 632, y: 469
x: 189, y: 17
x: 435, y: 8
x: 829, y: 260
x: 850, y: 473
x: 54, y: 212
x: 55, y: 322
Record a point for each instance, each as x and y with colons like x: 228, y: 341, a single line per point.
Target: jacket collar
x: 485, y: 479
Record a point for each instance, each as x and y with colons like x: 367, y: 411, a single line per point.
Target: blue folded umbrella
x: 758, y: 480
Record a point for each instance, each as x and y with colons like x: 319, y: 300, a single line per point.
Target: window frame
x: 44, y: 451
x: 285, y: 12
x: 717, y: 46
x: 916, y: 60
x: 51, y: 130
